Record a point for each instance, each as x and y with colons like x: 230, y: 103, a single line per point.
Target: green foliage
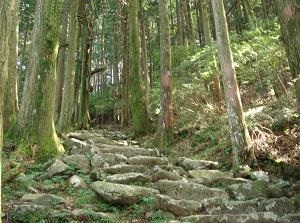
x: 102, y: 103
x: 159, y: 217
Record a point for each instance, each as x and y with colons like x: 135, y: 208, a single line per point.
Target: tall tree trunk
x: 125, y: 72
x: 216, y: 88
x: 35, y: 119
x: 199, y: 22
x: 289, y: 18
x: 144, y: 58
x: 205, y: 22
x: 5, y: 19
x: 179, y: 24
x: 75, y: 115
x: 11, y: 106
x: 141, y: 122
x: 238, y: 19
x: 249, y: 15
x: 84, y: 117
x: 61, y: 59
x: 190, y: 23
x: 166, y: 120
x: 65, y: 118
x: 240, y: 139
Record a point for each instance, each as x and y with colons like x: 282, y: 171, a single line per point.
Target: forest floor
x: 106, y: 177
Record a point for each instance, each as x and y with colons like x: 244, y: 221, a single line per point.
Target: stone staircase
x: 122, y: 173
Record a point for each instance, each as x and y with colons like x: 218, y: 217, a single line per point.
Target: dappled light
x: 150, y: 111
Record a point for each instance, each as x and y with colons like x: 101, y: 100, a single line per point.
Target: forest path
x: 105, y: 177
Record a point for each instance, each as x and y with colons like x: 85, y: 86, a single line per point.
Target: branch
x: 99, y: 70
x: 233, y: 4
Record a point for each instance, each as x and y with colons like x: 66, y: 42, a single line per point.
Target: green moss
x: 297, y: 200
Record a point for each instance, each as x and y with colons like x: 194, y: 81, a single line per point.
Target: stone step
x: 254, y: 189
x: 189, y: 164
x: 209, y: 174
x: 172, y: 168
x: 124, y: 168
x: 218, y: 181
x: 178, y: 207
x: 121, y: 194
x: 102, y: 173
x: 290, y: 218
x: 47, y: 200
x: 128, y: 178
x: 128, y: 151
x: 78, y: 161
x: 280, y: 206
x: 110, y: 159
x: 188, y: 191
x: 147, y: 161
x: 58, y: 167
x: 260, y: 217
x: 165, y: 175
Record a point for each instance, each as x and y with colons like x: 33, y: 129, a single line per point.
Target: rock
x: 128, y: 151
x: 124, y: 168
x: 150, y: 216
x: 209, y: 203
x: 77, y: 146
x: 178, y: 207
x: 21, y: 212
x: 261, y: 217
x: 127, y: 178
x: 78, y: 161
x: 90, y: 214
x: 280, y: 206
x: 147, y: 161
x: 43, y: 199
x: 77, y: 182
x: 243, y: 171
x: 188, y: 191
x: 251, y: 190
x: 99, y: 160
x: 208, y: 174
x: 165, y: 175
x: 57, y: 167
x: 101, y: 173
x: 121, y: 194
x: 189, y: 164
x: 290, y: 218
x: 218, y: 181
x: 259, y: 175
x: 234, y: 207
x: 172, y: 168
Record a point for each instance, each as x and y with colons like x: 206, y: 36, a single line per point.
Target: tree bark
x: 289, y: 19
x: 249, y: 15
x: 205, y: 22
x: 240, y: 139
x: 35, y: 119
x: 61, y: 59
x: 84, y: 117
x: 144, y: 58
x: 141, y: 122
x: 166, y: 120
x: 65, y: 118
x: 199, y: 22
x: 11, y: 106
x: 179, y: 24
x: 125, y: 71
x: 215, y: 80
x: 5, y: 19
